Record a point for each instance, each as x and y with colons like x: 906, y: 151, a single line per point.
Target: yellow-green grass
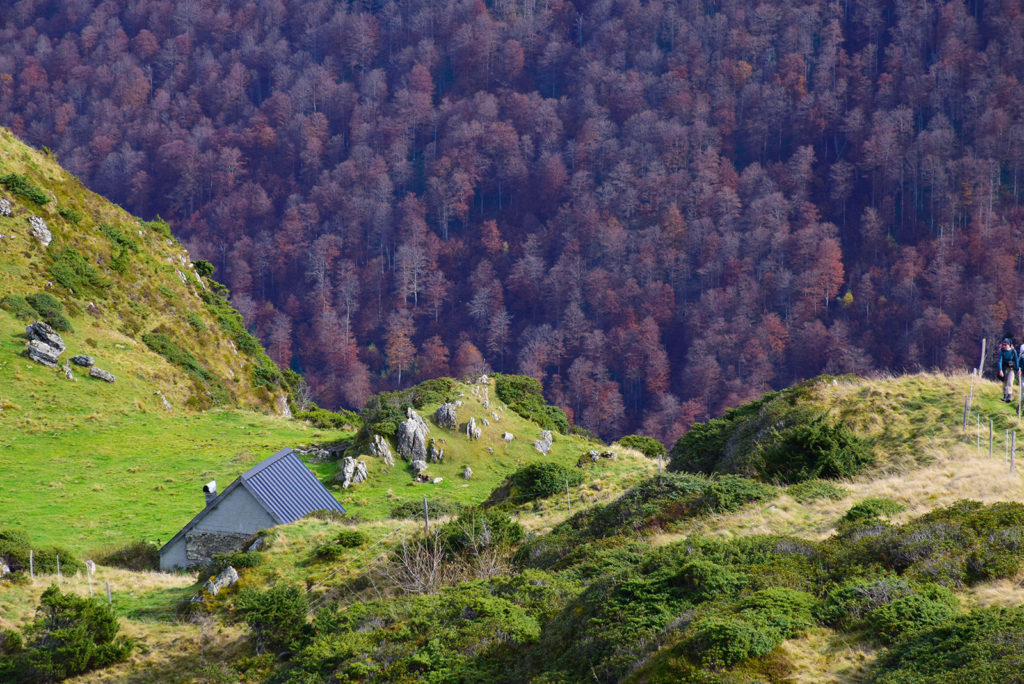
x: 157, y: 289
x: 388, y: 487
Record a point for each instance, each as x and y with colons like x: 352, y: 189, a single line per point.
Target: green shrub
x: 871, y: 509
x: 277, y: 617
x: 809, y: 491
x: 983, y: 647
x: 70, y: 215
x: 196, y: 322
x: 22, y: 186
x: 50, y: 310
x: 648, y: 446
x: 723, y: 641
x: 162, y: 344
x: 158, y: 225
x: 266, y: 376
x: 729, y: 492
x: 11, y: 642
x: 137, y: 556
x: 481, y: 527
x: 203, y: 268
x: 930, y: 606
x: 542, y: 479
x: 74, y: 272
x: 525, y: 396
x: 410, y: 510
x: 815, y: 450
x: 239, y: 560
x: 118, y: 238
x: 788, y: 610
x: 849, y: 604
x: 71, y: 635
x: 18, y: 306
x: 350, y: 539
x: 580, y: 431
x: 705, y: 580
x: 329, y: 420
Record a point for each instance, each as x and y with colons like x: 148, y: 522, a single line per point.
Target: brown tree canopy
x: 659, y: 209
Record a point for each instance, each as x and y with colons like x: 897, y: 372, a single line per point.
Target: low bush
x: 239, y: 560
x: 329, y: 420
x: 542, y: 479
x: 648, y: 446
x: 118, y: 238
x: 277, y: 617
x: 525, y: 396
x: 477, y: 528
x: 71, y: 635
x: 410, y: 510
x: 73, y: 271
x: 196, y: 322
x: 203, y: 268
x: 870, y: 510
x: 729, y: 492
x: 164, y: 345
x: 849, y: 604
x: 50, y: 310
x: 137, y: 556
x: 158, y: 225
x: 814, y: 450
x: 930, y: 606
x: 704, y: 580
x: 724, y: 640
x: 17, y: 305
x: 70, y: 215
x: 22, y: 186
x: 812, y: 490
x: 983, y: 646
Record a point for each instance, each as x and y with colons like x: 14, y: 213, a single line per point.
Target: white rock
x: 40, y: 231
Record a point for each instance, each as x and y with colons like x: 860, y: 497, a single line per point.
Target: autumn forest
x: 659, y: 208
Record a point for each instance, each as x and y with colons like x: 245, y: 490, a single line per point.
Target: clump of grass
x: 810, y: 491
x: 73, y: 271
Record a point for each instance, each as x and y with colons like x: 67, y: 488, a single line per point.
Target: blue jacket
x: 1008, y: 360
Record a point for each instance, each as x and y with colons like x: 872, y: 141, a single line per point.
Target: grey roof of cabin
x: 282, y: 484
x: 287, y: 488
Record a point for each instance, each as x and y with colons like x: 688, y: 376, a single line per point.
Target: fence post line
x: 1013, y: 450
x: 109, y: 600
x: 426, y: 515
x: 31, y: 565
x: 58, y: 569
x: 966, y: 406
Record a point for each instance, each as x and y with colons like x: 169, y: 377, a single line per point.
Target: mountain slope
x: 684, y: 577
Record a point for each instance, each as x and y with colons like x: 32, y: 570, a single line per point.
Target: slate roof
x: 282, y: 484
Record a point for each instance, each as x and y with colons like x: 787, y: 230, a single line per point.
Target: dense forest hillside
x: 660, y: 209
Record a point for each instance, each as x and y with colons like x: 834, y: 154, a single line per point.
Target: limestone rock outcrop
x: 543, y: 445
x: 44, y: 344
x: 412, y: 436
x: 83, y: 360
x: 446, y: 416
x: 379, y: 447
x: 38, y: 229
x: 101, y: 374
x: 352, y: 472
x: 5, y: 207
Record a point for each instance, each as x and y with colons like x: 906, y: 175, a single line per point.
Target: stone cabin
x: 278, y: 491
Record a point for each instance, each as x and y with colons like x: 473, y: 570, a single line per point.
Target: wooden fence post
x: 967, y: 399
x: 31, y: 565
x: 567, y: 501
x: 990, y: 438
x: 426, y: 515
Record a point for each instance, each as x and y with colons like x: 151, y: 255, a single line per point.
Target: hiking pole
x: 1019, y: 378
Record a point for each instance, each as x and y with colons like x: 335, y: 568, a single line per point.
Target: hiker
x: 1009, y: 366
